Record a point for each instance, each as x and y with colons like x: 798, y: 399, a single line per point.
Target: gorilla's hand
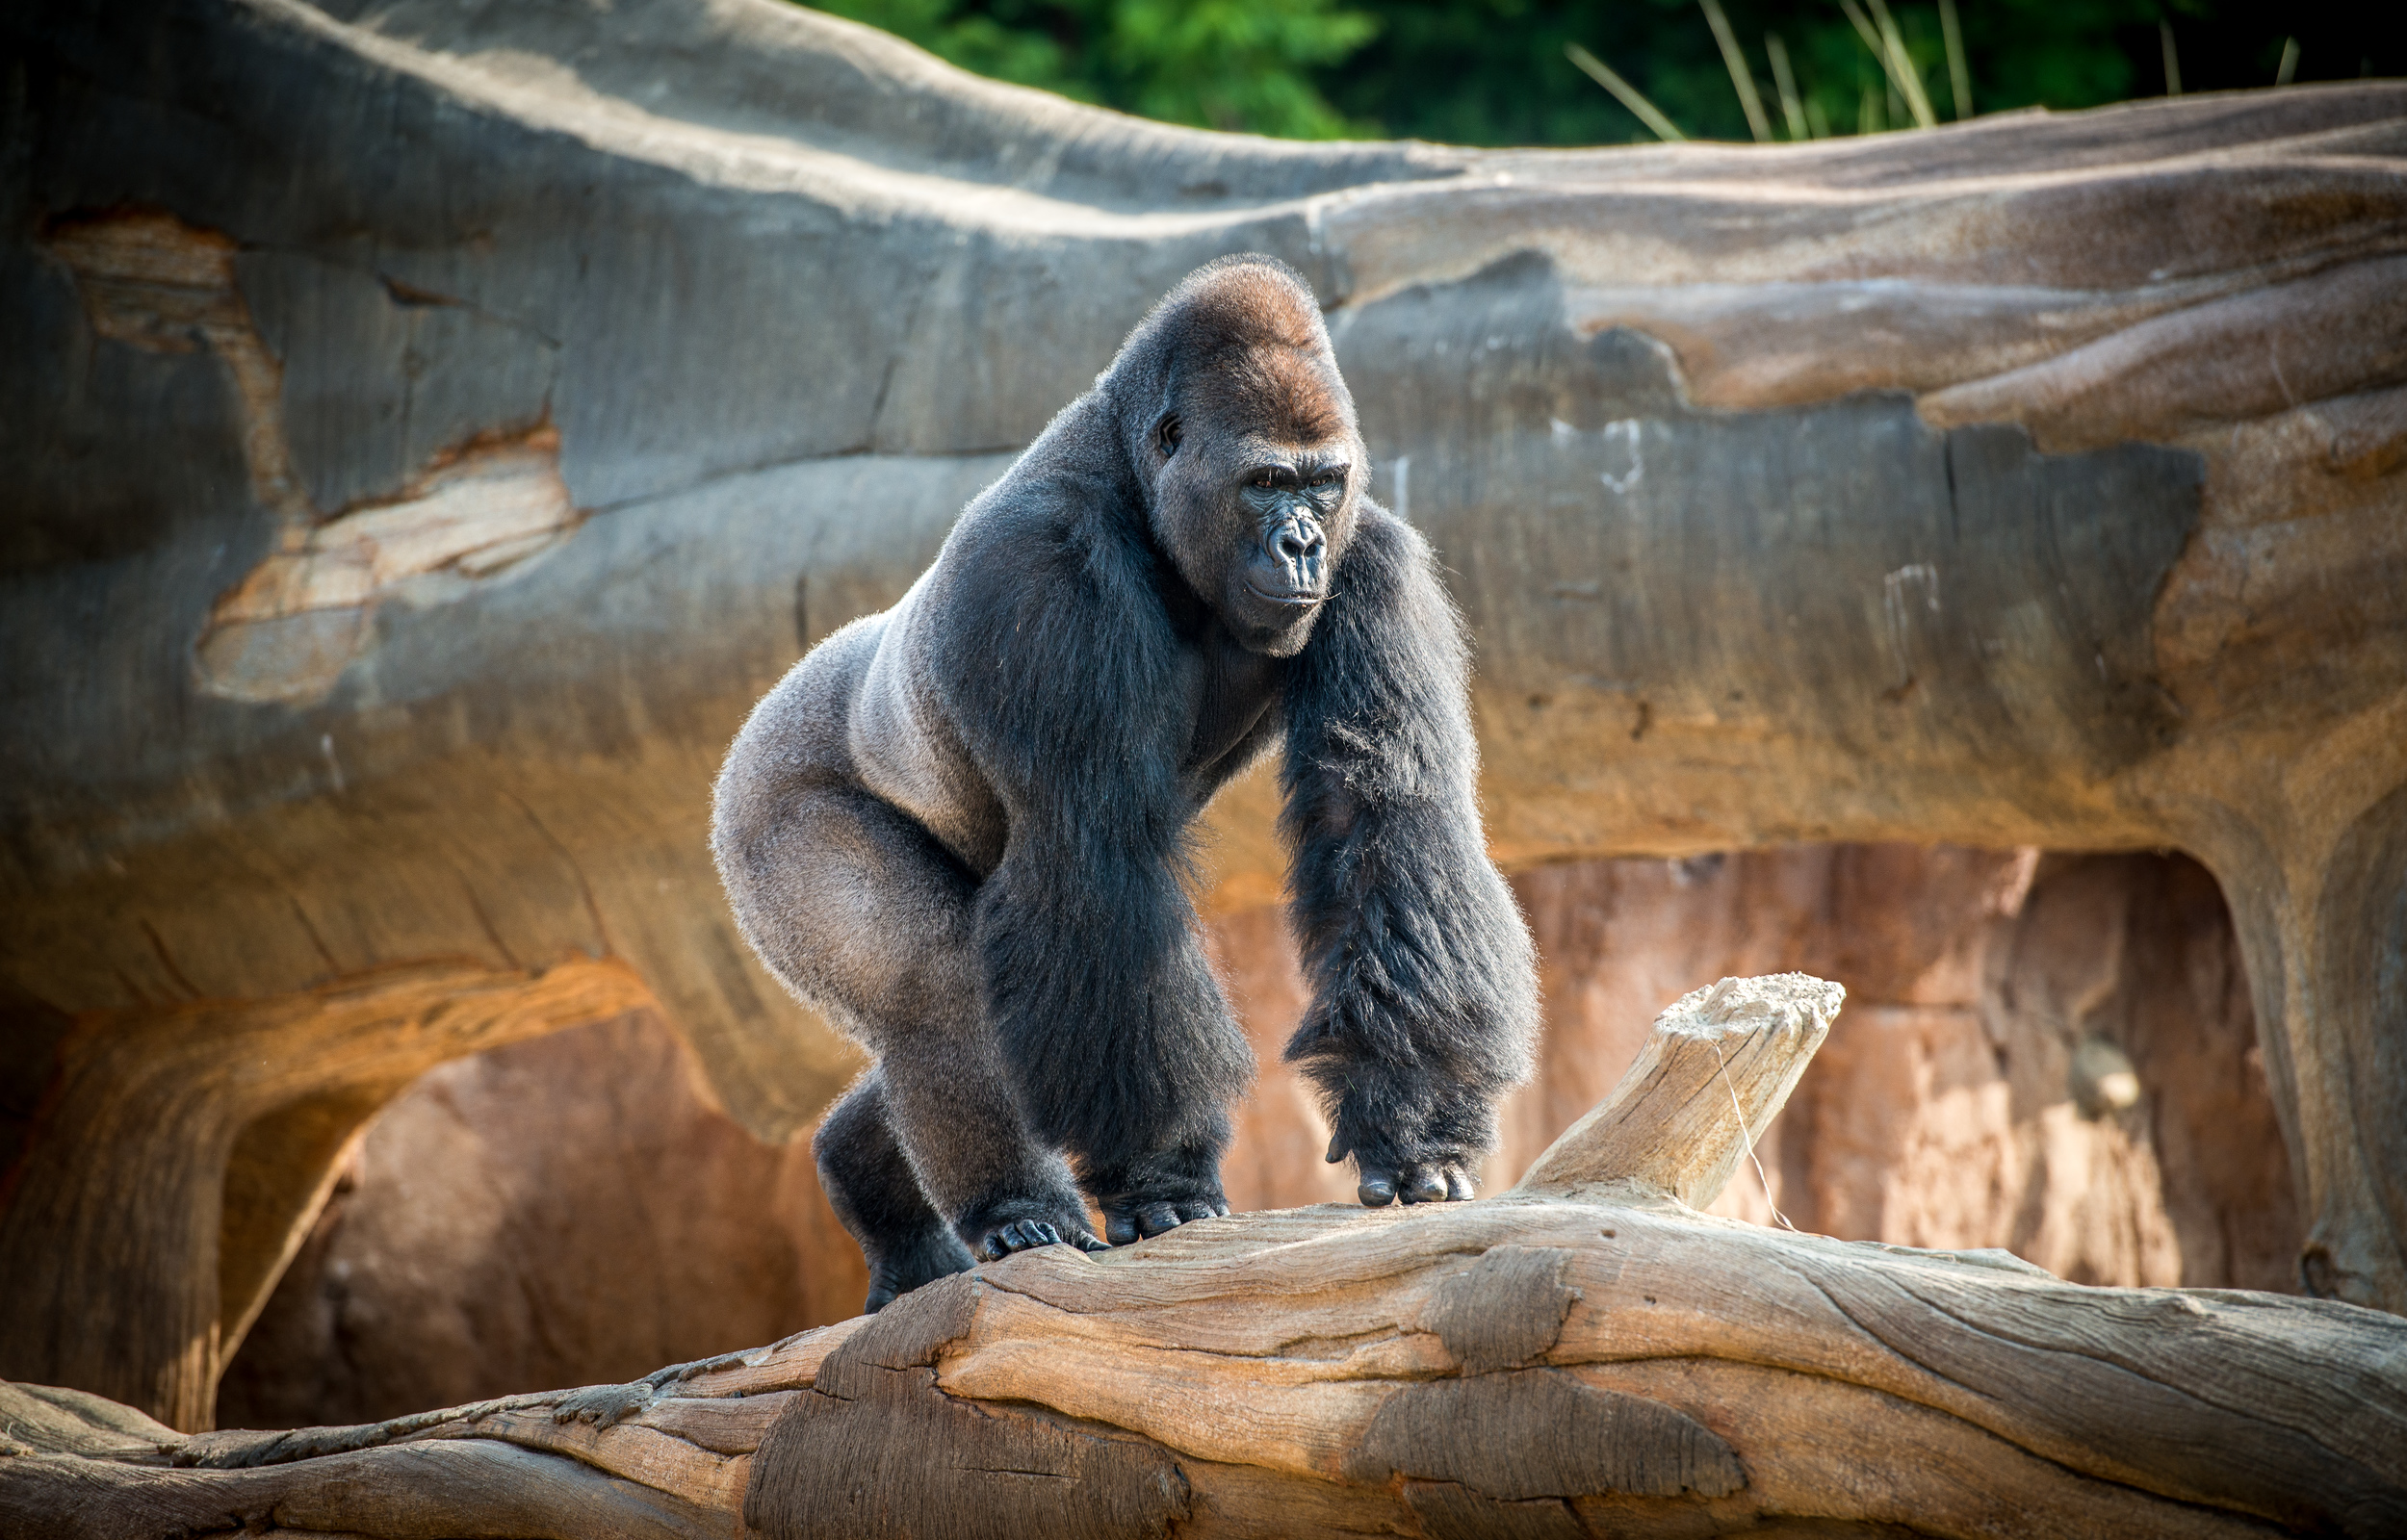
x: 896, y: 1267
x: 1421, y: 1150
x: 1026, y: 1235
x: 1437, y: 1178
x: 1000, y: 1229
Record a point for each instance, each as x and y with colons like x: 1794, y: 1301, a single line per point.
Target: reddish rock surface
x: 574, y: 1210
x: 565, y: 1212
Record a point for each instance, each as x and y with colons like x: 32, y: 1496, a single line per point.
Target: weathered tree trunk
x: 430, y: 427
x: 1583, y: 1354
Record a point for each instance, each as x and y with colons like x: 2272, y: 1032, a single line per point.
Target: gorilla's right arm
x: 1424, y: 984
x: 1069, y: 686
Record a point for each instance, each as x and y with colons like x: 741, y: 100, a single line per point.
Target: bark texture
x: 1593, y: 1357
x: 435, y: 426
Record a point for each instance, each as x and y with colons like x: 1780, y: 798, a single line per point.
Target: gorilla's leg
x: 1122, y: 1049
x: 875, y: 921
x: 870, y: 1185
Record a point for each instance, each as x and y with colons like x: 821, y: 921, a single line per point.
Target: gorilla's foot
x: 897, y: 1269
x: 996, y: 1230
x: 1127, y: 1220
x: 1160, y: 1190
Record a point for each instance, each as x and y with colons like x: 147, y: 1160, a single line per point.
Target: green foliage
x: 1239, y: 64
x: 1493, y: 71
x: 1503, y: 80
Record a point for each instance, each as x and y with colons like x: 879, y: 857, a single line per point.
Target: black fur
x: 1423, y: 987
x: 961, y: 827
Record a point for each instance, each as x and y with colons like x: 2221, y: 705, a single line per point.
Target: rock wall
x: 574, y: 1209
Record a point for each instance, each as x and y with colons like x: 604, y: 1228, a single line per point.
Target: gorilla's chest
x: 1234, y: 695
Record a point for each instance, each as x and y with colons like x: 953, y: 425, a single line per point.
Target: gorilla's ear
x: 1166, y: 435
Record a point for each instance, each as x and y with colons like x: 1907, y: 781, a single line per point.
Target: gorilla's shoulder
x: 1047, y: 571
x: 1383, y: 541
x: 1051, y: 522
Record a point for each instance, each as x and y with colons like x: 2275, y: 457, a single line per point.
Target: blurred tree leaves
x: 1239, y: 64
x: 1493, y: 71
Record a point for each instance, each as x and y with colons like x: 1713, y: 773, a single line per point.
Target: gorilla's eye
x: 1168, y: 435
x: 1265, y: 480
x: 1327, y: 478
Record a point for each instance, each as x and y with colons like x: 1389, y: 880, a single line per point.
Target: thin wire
x: 1746, y: 1138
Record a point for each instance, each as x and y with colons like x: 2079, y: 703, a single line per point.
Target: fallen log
x: 1584, y: 1353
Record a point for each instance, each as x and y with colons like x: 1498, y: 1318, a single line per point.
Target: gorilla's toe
x: 1154, y: 1219
x: 1130, y: 1222
x: 1423, y: 1186
x: 1458, y: 1185
x: 1027, y: 1235
x: 1378, y: 1187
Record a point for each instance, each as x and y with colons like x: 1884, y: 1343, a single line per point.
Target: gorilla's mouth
x: 1285, y: 600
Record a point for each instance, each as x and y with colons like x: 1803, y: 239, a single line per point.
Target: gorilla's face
x: 1255, y: 522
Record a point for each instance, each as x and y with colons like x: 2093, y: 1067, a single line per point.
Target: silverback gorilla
x: 959, y: 828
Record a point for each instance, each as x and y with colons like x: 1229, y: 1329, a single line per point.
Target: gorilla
x: 960, y: 828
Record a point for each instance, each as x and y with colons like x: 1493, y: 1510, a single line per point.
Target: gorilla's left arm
x: 1424, y: 984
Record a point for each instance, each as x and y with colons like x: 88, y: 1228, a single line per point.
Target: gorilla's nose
x: 1291, y: 567
x: 1296, y: 548
x: 1299, y: 541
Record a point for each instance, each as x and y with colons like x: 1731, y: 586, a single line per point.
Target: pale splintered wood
x: 1673, y: 1124
x: 1580, y: 1355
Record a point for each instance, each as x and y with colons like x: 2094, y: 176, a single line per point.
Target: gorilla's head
x: 1236, y: 421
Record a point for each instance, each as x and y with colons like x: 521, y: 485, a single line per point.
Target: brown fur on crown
x: 1253, y: 325
x: 1248, y: 301
x: 1293, y: 395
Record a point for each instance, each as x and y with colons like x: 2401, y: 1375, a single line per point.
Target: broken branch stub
x: 1672, y: 1125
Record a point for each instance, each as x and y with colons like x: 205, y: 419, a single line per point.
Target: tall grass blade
x: 1960, y: 73
x: 1880, y: 56
x: 1790, y: 107
x: 1627, y: 95
x: 1909, y: 80
x: 1742, y: 73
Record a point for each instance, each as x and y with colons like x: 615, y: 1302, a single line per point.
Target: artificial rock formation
x: 1583, y: 1354
x: 565, y: 1211
x: 433, y: 427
